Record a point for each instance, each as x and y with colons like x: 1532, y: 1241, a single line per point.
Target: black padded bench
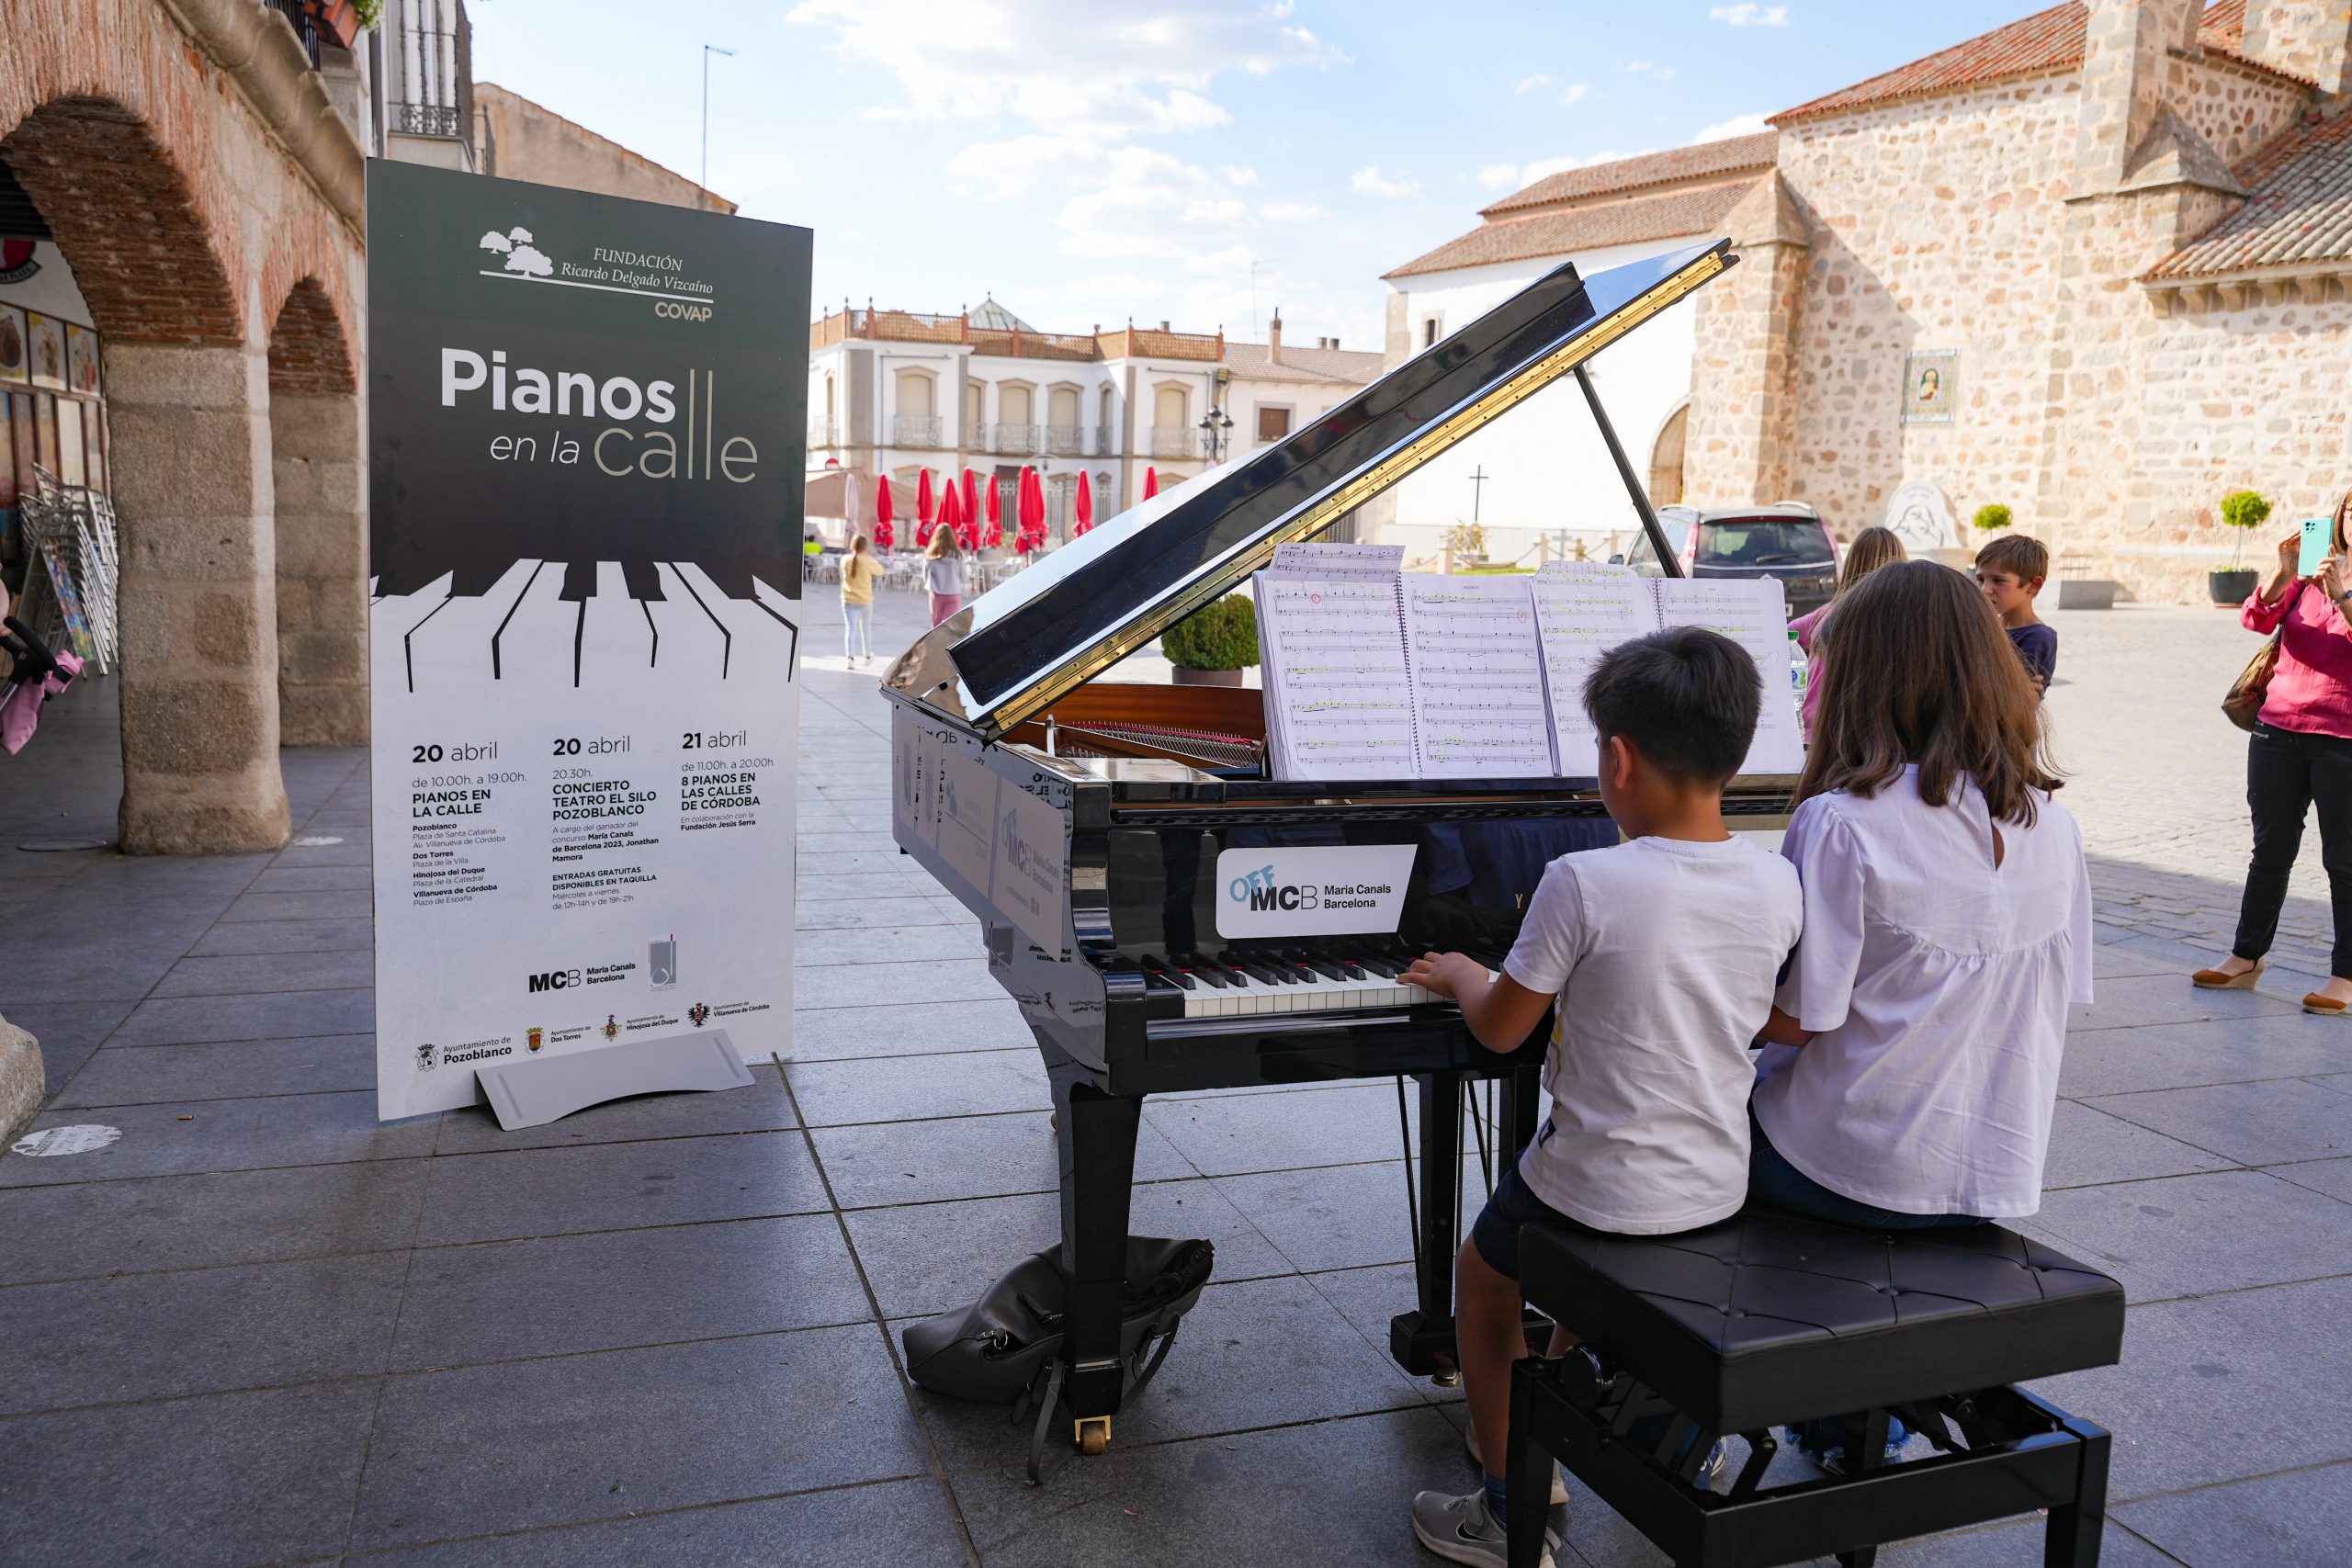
x: 1770, y: 1319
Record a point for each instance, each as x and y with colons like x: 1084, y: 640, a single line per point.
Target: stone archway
x: 1665, y: 459
x: 318, y: 466
x: 188, y: 402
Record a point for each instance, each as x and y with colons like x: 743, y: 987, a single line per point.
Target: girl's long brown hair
x: 1917, y: 670
x: 1873, y: 547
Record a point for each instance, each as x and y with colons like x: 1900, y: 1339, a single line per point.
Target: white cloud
x: 1748, y: 14
x: 1740, y: 125
x: 1529, y: 84
x: 1519, y: 176
x: 1650, y: 68
x: 1290, y: 211
x: 1238, y: 177
x: 1067, y: 67
x: 1574, y: 92
x: 1133, y: 198
x: 1370, y: 181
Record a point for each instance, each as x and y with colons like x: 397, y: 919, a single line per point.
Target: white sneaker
x: 1560, y: 1481
x: 1463, y: 1530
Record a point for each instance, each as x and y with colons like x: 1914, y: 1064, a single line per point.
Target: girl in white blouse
x: 1913, y: 1064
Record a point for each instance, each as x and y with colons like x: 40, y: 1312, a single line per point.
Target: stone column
x: 1739, y: 446
x: 199, y: 669
x: 318, y: 463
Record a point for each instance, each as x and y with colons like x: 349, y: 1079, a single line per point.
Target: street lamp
x: 1216, y: 428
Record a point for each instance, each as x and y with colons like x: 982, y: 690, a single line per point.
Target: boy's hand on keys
x: 1445, y: 973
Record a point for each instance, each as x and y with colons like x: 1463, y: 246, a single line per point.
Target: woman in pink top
x: 2301, y: 754
x: 1872, y: 547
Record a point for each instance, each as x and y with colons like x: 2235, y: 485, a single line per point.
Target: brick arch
x: 309, y: 351
x: 125, y: 215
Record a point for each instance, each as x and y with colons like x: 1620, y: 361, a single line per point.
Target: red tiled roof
x: 1671, y: 167
x: 2047, y: 40
x: 2299, y: 207
x: 1666, y: 216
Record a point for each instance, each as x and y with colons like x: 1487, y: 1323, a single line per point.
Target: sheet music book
x: 1371, y: 672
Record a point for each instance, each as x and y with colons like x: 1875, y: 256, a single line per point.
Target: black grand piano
x: 1083, y: 821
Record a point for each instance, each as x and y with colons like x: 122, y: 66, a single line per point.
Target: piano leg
x: 1422, y: 1340
x: 1097, y: 1139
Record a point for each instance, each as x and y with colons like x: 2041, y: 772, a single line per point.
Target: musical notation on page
x: 1336, y: 688
x: 1477, y: 687
x: 1753, y: 613
x: 1579, y: 617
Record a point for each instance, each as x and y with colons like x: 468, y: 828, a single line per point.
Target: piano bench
x: 1770, y: 1319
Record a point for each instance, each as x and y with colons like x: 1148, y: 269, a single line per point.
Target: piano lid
x: 1082, y: 608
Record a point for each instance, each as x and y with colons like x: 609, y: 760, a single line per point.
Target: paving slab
x: 196, y: 1135
x: 230, y: 938
x: 578, y: 1439
x: 2185, y: 1055
x: 105, y: 1227
x: 913, y: 1028
x: 219, y: 1481
x: 242, y: 974
x: 911, y: 979
x: 862, y: 947
x: 900, y: 1088
x: 2168, y: 999
x: 161, y: 1335
x: 613, y: 1290
x: 153, y: 1075
x: 2302, y: 1519
x: 2186, y: 1235
x: 69, y: 1033
x: 910, y: 1162
x: 2333, y: 1177
x: 2251, y: 1124
x: 839, y: 1528
x: 594, y: 1187
x: 182, y: 1021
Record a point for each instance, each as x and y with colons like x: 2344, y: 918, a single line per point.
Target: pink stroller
x: 37, y: 675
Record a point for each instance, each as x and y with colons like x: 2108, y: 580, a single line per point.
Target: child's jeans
x: 857, y: 631
x: 1773, y: 1180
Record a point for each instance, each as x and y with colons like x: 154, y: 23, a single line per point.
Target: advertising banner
x: 587, y: 427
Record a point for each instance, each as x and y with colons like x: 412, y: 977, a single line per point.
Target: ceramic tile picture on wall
x: 46, y: 339
x: 82, y: 359
x: 15, y: 355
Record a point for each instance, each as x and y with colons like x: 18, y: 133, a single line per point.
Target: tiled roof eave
x: 2163, y: 281
x: 1818, y: 110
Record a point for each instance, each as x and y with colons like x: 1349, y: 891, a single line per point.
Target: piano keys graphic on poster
x: 586, y: 442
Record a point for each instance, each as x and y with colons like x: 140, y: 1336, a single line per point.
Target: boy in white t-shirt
x: 1662, y: 954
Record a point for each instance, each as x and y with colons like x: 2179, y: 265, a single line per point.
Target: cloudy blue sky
x: 1092, y: 160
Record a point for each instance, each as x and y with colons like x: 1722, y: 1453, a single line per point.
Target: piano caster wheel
x: 1449, y: 1378
x: 1093, y: 1435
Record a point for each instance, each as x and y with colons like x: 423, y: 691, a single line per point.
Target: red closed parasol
x: 882, y: 513
x: 971, y: 497
x: 926, y: 509
x: 1085, y: 504
x: 1150, y: 483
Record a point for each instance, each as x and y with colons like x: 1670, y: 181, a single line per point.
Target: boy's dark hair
x: 2022, y: 555
x: 1687, y: 698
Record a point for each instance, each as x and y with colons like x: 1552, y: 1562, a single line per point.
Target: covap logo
x: 1258, y: 890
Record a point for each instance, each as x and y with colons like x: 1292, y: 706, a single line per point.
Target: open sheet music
x: 1372, y: 672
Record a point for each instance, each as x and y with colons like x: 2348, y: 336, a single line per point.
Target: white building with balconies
x: 897, y: 393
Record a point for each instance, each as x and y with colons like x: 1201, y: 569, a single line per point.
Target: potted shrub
x: 2241, y: 510
x: 1215, y: 644
x: 1992, y: 515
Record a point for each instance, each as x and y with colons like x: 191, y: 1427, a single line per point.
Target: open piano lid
x: 1089, y: 604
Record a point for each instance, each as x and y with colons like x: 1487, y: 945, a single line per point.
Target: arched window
x: 917, y: 421
x: 975, y: 394
x: 1172, y: 408
x: 1429, y: 332
x: 1015, y: 404
x: 915, y: 389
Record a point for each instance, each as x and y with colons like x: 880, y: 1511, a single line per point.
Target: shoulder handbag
x: 2244, y: 702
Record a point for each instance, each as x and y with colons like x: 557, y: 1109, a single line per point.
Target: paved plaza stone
x: 262, y: 1328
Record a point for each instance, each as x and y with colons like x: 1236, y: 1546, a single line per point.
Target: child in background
x: 1872, y: 547
x: 859, y: 574
x: 2011, y: 570
x: 944, y: 573
x: 1661, y: 953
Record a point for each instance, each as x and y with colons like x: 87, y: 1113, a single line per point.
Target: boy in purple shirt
x: 2011, y: 570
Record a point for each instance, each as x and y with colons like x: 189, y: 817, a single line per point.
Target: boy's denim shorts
x: 1495, y: 1233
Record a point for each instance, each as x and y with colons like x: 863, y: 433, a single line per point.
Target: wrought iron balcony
x: 1018, y: 440
x: 1106, y: 440
x: 824, y: 433
x: 915, y: 430
x: 1175, y: 441
x: 1066, y: 440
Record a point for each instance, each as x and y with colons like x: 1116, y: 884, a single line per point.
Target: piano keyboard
x: 1247, y: 982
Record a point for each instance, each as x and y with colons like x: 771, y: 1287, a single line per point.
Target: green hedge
x: 1222, y: 636
x: 1991, y: 516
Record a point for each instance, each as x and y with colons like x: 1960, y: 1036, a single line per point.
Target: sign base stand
x: 533, y: 1093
